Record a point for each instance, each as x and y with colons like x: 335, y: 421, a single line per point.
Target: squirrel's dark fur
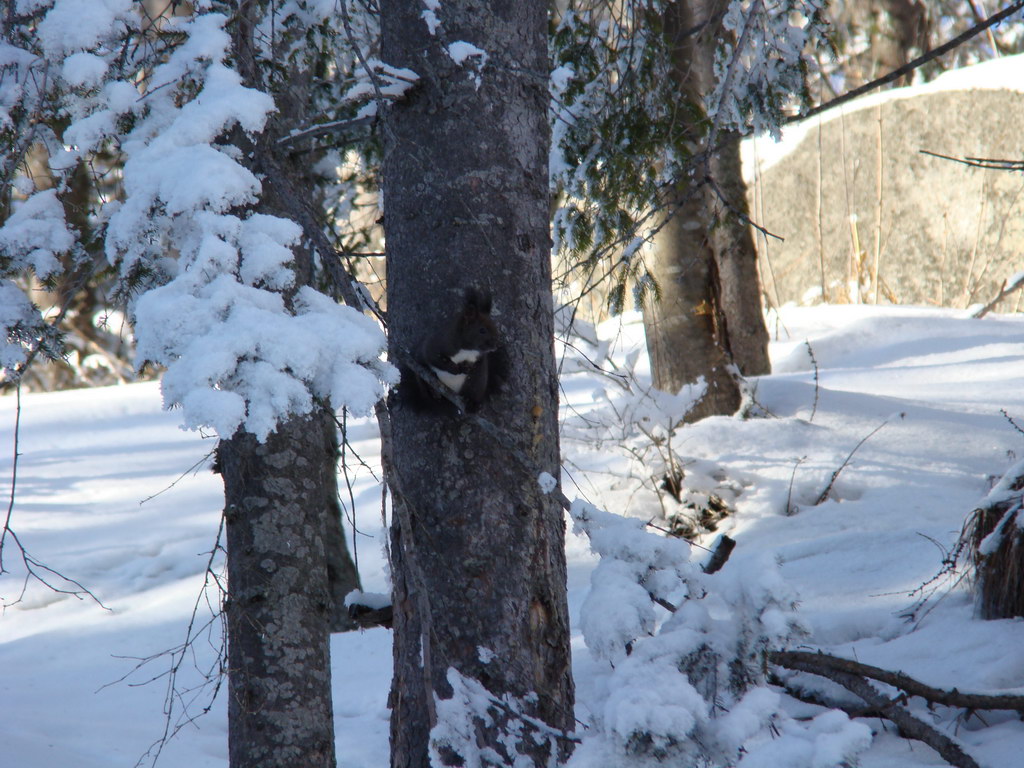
x: 466, y: 357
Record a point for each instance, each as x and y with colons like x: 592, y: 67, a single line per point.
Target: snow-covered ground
x: 108, y: 493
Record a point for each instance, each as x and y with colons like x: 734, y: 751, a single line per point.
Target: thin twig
x: 835, y: 475
x: 49, y: 577
x: 992, y: 164
x: 817, y: 382
x: 194, y: 468
x: 212, y: 676
x: 1004, y: 290
x: 325, y: 129
x: 790, y: 511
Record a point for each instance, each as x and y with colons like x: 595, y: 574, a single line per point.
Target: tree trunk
x: 342, y: 576
x: 478, y: 549
x: 287, y: 177
x: 288, y: 566
x: 279, y: 678
x: 684, y: 327
x: 736, y: 259
x: 995, y: 539
x: 686, y: 330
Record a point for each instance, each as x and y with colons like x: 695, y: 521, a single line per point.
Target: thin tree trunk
x: 478, y: 549
x: 342, y: 576
x: 279, y: 674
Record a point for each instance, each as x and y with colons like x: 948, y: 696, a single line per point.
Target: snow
x: 460, y: 50
x: 77, y: 25
x: 429, y: 15
x: 36, y: 233
x: 939, y: 379
x: 468, y: 55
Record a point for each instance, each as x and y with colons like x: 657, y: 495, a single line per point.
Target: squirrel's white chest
x: 453, y: 381
x: 466, y: 356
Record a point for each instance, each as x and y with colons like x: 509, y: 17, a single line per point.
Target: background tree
x: 481, y: 624
x: 646, y: 154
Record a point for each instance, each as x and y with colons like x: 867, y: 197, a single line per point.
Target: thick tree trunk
x: 279, y: 680
x: 683, y: 327
x: 288, y: 566
x: 710, y: 313
x: 478, y: 555
x: 288, y: 177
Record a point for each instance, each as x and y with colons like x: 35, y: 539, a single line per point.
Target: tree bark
x: 279, y: 680
x: 995, y: 540
x: 288, y: 566
x: 284, y: 180
x: 478, y: 550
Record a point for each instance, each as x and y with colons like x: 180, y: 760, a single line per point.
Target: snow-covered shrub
x: 687, y: 686
x: 645, y: 425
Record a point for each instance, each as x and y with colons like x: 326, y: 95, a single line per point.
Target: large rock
x: 934, y: 231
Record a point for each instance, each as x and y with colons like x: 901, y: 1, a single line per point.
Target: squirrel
x: 466, y: 357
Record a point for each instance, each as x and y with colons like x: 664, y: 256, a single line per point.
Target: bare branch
x: 1004, y: 290
x: 325, y: 129
x: 180, y: 703
x: 34, y: 569
x: 987, y: 163
x: 954, y: 698
x: 906, y: 69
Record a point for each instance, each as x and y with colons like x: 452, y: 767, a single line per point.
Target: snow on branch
x: 758, y: 75
x: 214, y: 295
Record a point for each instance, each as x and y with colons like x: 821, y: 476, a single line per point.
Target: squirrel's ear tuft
x: 478, y: 300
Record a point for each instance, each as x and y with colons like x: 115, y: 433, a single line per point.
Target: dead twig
x: 835, y: 475
x: 988, y: 163
x: 34, y: 569
x: 1004, y: 290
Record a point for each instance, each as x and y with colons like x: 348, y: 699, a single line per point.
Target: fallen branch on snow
x: 854, y: 676
x: 953, y: 698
